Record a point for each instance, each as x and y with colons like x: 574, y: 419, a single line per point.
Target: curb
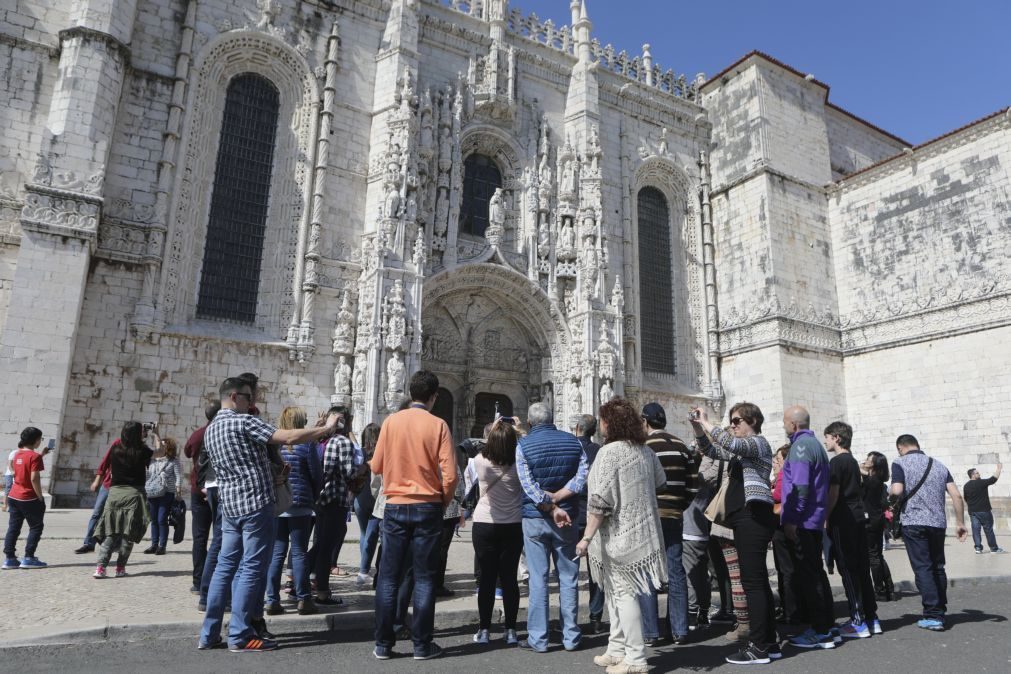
x: 341, y: 622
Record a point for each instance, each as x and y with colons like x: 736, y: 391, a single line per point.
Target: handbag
x: 730, y: 496
x: 177, y: 518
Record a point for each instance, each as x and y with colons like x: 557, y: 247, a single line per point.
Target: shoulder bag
x: 899, y: 506
x: 730, y: 496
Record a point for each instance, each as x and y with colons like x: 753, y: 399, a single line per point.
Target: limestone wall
x: 853, y: 145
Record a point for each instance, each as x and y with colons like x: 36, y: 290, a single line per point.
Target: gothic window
x: 656, y: 294
x: 237, y: 222
x: 481, y: 178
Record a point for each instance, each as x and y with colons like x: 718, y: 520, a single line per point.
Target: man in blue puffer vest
x: 552, y: 468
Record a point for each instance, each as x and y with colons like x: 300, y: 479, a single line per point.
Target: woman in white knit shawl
x: 623, y: 531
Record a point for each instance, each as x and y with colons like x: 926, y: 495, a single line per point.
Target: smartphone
x: 509, y: 420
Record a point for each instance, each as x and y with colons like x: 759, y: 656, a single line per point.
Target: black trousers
x: 849, y: 540
x: 446, y: 540
x: 203, y: 519
x: 498, y: 547
x: 811, y: 576
x: 753, y: 527
x: 790, y: 599
x: 696, y: 563
x: 880, y: 573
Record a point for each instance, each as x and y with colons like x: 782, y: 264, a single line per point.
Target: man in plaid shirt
x: 236, y: 443
x: 333, y: 502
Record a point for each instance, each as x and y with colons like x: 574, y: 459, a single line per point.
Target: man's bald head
x: 798, y: 415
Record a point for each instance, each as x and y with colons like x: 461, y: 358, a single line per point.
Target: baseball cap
x: 654, y: 415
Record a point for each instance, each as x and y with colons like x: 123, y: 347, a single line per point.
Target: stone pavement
x: 68, y: 605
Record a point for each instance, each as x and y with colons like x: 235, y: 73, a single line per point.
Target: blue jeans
x: 160, y: 507
x: 34, y: 512
x: 542, y: 540
x: 211, y: 563
x: 368, y: 536
x: 925, y: 548
x: 295, y: 529
x: 677, y: 588
x: 408, y: 530
x: 96, y: 514
x: 983, y: 521
x: 247, y: 542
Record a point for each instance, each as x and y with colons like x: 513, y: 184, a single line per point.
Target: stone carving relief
x: 344, y: 329
x: 342, y: 377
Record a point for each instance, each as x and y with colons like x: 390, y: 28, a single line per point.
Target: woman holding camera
x: 749, y: 456
x: 125, y: 516
x: 25, y: 501
x: 163, y: 488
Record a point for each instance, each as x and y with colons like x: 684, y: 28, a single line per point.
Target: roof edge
x: 932, y: 141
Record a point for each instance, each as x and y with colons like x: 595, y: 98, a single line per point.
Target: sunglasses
x: 737, y: 420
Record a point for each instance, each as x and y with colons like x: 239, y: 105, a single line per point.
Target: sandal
x: 338, y: 571
x: 329, y: 600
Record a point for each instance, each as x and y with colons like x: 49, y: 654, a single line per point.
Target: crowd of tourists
x: 653, y: 515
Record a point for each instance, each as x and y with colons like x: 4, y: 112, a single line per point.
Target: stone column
x: 60, y: 218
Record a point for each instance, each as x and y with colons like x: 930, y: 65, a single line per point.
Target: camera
x: 694, y: 415
x: 150, y: 426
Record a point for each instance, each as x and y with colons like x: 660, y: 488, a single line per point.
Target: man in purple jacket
x: 805, y: 501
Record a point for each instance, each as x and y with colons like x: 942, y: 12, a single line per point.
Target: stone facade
x: 815, y: 259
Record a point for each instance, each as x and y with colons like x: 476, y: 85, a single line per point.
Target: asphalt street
x: 978, y: 640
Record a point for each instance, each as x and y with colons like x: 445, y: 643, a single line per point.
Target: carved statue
x: 544, y: 238
x: 567, y: 238
x: 396, y: 322
x: 342, y: 377
x: 575, y: 398
x: 395, y: 373
x: 411, y: 212
x: 359, y: 379
x: 391, y: 204
x: 606, y: 392
x: 663, y: 141
x: 496, y: 216
x: 569, y: 177
x: 442, y: 213
x: 343, y: 333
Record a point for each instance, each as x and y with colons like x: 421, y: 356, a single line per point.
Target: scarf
x: 628, y: 551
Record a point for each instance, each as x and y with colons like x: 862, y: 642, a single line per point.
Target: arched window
x: 656, y: 294
x: 237, y: 222
x: 481, y: 178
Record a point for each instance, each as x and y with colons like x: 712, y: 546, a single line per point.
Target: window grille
x: 656, y: 294
x: 233, y: 251
x: 481, y: 178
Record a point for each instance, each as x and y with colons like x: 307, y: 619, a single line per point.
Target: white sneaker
x: 510, y: 637
x: 481, y: 637
x: 363, y: 579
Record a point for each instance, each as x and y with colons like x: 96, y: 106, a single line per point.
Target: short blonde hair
x: 293, y: 418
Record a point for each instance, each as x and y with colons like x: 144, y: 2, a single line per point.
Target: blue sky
x: 915, y: 68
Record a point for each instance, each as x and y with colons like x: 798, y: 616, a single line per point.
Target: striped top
x: 755, y: 456
x: 680, y: 469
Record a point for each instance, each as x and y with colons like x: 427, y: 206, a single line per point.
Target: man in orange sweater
x: 415, y: 456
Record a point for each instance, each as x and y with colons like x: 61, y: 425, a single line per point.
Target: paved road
x: 978, y: 640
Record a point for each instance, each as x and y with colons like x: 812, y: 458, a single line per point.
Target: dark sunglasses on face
x: 736, y: 420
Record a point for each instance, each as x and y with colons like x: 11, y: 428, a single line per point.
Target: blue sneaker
x: 11, y: 563
x: 498, y: 593
x: 382, y: 652
x: 33, y: 563
x: 931, y: 624
x: 836, y: 634
x: 852, y: 630
x: 876, y: 627
x: 811, y: 639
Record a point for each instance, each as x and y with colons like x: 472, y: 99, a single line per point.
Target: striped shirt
x: 680, y: 469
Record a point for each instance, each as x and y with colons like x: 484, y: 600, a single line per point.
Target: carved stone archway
x: 224, y: 57
x: 487, y: 329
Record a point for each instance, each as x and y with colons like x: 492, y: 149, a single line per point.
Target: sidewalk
x: 69, y: 606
